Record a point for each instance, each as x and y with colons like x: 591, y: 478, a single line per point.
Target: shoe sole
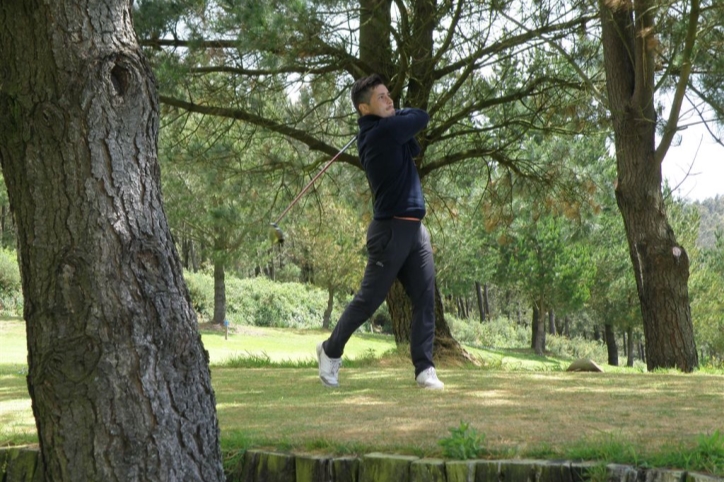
x: 431, y: 388
x: 319, y: 364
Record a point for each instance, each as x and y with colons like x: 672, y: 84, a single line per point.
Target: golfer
x: 398, y: 244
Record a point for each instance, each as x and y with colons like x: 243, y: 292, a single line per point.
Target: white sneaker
x: 328, y: 368
x: 428, y: 379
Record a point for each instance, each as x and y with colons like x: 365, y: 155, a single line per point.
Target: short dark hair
x: 362, y: 89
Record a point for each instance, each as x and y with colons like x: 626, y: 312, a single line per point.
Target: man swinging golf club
x: 398, y: 244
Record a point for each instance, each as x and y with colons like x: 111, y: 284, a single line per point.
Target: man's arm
x: 405, y: 124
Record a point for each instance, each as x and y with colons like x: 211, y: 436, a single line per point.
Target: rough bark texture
x: 219, y: 292
x: 481, y: 303
x: 629, y: 347
x: 118, y: 376
x: 538, y: 329
x: 326, y: 320
x: 611, y: 345
x: 374, y: 38
x: 660, y: 264
x: 445, y: 347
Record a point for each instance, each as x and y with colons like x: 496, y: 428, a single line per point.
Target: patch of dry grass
x: 519, y: 412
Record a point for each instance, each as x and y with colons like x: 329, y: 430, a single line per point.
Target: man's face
x: 380, y: 103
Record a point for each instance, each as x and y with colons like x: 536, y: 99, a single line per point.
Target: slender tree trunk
x: 481, y: 304
x: 118, y: 376
x: 538, y: 340
x: 551, y: 322
x: 486, y: 300
x: 518, y: 314
x: 630, y: 348
x: 330, y: 305
x: 660, y: 264
x: 219, y: 293
x: 611, y: 345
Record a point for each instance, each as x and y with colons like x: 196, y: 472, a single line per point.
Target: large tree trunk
x: 660, y: 264
x: 118, y: 376
x: 400, y: 308
x: 375, y: 39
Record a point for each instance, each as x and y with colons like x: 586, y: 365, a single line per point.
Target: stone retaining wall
x: 23, y: 465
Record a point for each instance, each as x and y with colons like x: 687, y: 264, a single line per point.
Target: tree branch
x: 671, y: 124
x: 312, y: 142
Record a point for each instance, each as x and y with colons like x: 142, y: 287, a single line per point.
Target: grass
x: 520, y: 405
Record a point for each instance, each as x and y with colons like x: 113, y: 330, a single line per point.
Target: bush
x: 262, y: 302
x: 11, y: 298
x: 563, y: 347
x: 502, y: 333
x: 499, y: 332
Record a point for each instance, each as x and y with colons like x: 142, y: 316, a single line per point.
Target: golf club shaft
x: 319, y: 174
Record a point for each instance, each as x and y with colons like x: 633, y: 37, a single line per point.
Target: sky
x: 696, y: 165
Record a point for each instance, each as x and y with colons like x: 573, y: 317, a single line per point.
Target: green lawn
x: 525, y: 406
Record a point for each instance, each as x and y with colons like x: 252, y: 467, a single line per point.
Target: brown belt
x: 406, y: 219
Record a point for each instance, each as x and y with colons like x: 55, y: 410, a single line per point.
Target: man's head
x: 370, y: 96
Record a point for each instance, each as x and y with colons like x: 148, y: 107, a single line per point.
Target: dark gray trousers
x: 397, y: 248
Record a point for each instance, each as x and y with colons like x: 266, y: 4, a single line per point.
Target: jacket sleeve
x: 405, y: 124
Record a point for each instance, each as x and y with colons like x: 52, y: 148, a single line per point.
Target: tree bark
x: 400, y: 308
x: 660, y: 264
x: 219, y: 293
x: 538, y: 340
x: 330, y: 305
x: 611, y: 345
x: 630, y: 348
x: 552, y: 322
x: 375, y: 39
x: 486, y: 300
x: 481, y: 303
x: 118, y: 376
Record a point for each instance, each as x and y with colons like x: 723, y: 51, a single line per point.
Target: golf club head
x: 276, y: 235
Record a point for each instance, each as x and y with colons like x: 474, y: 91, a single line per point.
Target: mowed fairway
x: 379, y: 408
x: 519, y: 412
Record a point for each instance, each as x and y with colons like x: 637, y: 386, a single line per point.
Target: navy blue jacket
x: 386, y: 147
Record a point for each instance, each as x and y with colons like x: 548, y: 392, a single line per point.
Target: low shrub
x: 498, y: 332
x: 502, y: 333
x: 575, y: 348
x: 463, y: 443
x: 11, y: 298
x: 262, y: 302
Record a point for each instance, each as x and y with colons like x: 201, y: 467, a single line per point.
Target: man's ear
x: 364, y: 109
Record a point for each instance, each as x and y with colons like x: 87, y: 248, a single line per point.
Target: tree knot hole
x: 120, y: 78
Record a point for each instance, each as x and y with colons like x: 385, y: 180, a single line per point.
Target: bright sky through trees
x: 696, y: 165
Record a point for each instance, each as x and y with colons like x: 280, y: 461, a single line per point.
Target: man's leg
x: 418, y: 277
x: 383, y: 263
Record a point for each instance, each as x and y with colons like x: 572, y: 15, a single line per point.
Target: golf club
x: 276, y: 234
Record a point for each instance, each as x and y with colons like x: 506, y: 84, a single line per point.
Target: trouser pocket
x: 379, y: 238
